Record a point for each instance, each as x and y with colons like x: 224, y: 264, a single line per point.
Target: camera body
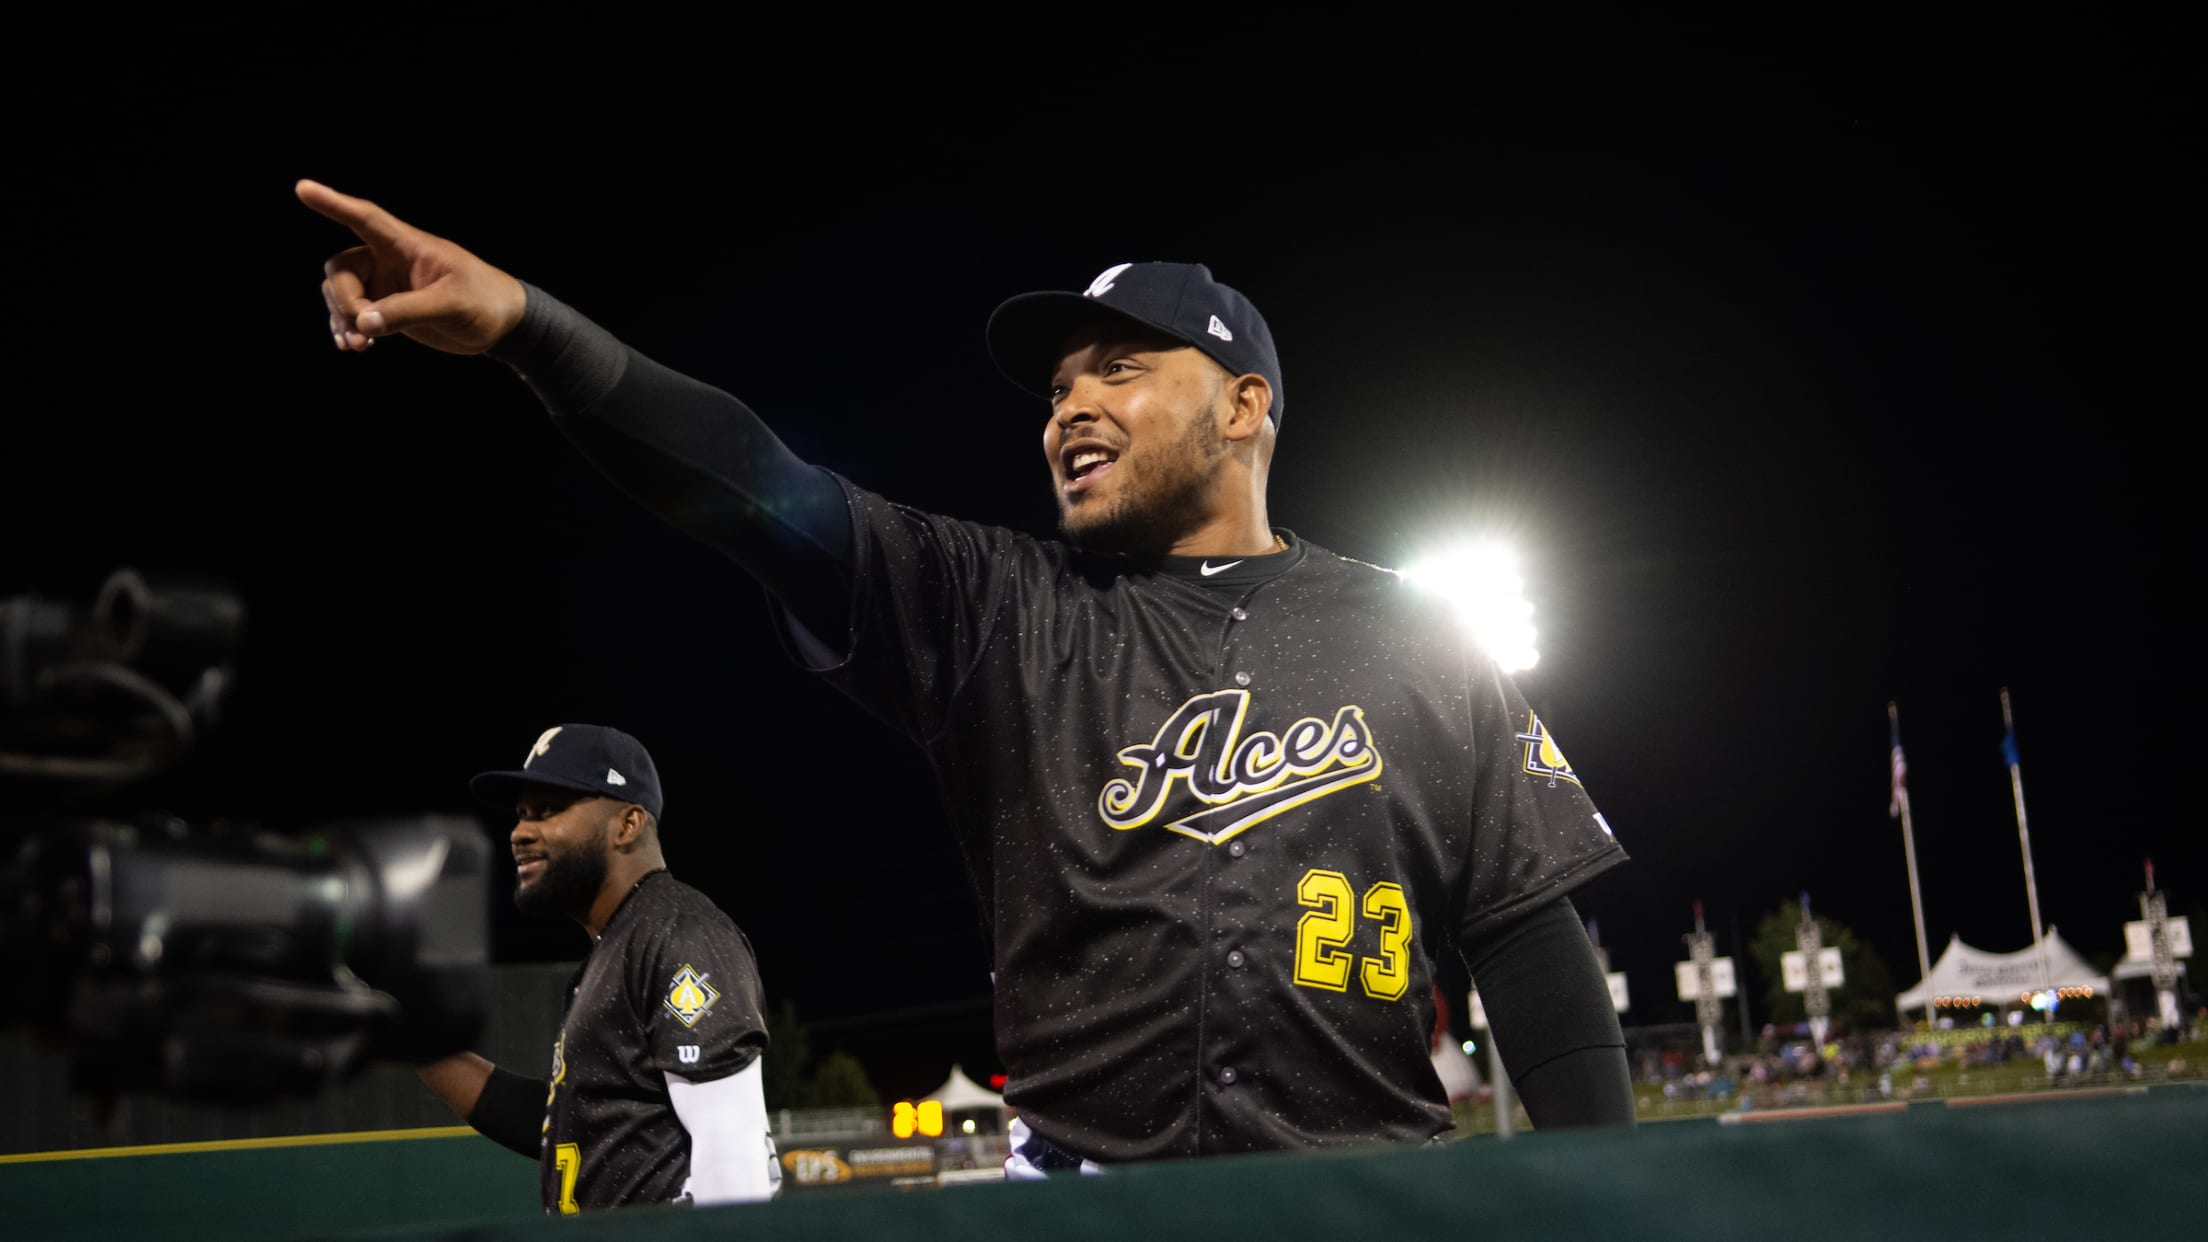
x: 225, y: 965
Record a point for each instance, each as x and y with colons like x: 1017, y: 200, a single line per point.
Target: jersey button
x: 1226, y: 1076
x: 1235, y: 958
x: 1241, y: 614
x: 1241, y: 679
x: 1237, y: 849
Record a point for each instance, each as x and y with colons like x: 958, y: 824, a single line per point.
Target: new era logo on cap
x: 615, y: 778
x: 1181, y: 300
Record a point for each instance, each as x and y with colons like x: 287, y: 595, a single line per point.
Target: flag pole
x: 2024, y: 837
x: 1900, y: 810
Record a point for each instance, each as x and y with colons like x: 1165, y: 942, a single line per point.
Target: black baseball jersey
x: 1219, y: 835
x: 670, y: 988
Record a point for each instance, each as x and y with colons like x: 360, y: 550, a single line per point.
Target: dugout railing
x: 2118, y: 1164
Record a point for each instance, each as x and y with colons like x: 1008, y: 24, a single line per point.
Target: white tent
x: 2129, y: 968
x: 959, y: 1092
x: 2000, y: 978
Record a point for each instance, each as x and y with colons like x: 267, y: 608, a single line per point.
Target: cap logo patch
x: 690, y: 995
x: 1103, y: 283
x: 615, y: 778
x: 544, y: 743
x: 1219, y: 329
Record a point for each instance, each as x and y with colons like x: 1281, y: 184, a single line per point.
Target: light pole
x: 1705, y: 978
x: 1812, y: 969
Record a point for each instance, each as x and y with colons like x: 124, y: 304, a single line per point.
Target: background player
x: 1225, y: 794
x: 655, y: 1091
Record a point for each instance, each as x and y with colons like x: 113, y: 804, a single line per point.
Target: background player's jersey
x: 671, y: 987
x: 1218, y: 837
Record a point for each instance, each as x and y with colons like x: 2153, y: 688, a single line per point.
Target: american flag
x: 1901, y: 769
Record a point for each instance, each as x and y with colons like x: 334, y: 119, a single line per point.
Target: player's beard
x: 570, y: 881
x: 1167, y: 497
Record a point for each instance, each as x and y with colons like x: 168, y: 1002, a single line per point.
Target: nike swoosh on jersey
x: 1207, y: 569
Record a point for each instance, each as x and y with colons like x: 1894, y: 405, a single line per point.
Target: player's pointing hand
x: 403, y: 280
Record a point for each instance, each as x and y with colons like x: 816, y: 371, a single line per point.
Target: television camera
x: 223, y: 964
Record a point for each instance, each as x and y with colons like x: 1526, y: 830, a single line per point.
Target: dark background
x: 1812, y: 365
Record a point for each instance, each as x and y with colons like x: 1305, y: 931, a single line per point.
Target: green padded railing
x: 2129, y: 1162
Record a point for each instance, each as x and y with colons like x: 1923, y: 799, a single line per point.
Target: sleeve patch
x: 690, y: 996
x: 1544, y: 757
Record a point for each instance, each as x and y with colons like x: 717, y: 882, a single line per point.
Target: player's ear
x: 1249, y: 400
x: 631, y: 828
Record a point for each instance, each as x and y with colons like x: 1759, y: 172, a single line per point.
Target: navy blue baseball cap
x: 588, y: 758
x: 1180, y: 300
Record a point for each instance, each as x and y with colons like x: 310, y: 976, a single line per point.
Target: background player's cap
x: 585, y: 757
x: 1179, y: 299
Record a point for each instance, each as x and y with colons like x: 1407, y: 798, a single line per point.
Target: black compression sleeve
x: 510, y: 1112
x: 1586, y: 1087
x: 697, y: 457
x: 1552, y: 1019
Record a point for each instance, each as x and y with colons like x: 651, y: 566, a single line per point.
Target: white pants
x: 1047, y: 1157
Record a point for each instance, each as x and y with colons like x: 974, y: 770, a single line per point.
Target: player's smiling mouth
x: 1085, y: 464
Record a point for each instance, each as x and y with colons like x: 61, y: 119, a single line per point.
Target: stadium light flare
x: 1481, y: 580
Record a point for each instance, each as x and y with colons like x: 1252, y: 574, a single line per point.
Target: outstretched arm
x: 694, y: 455
x: 402, y: 281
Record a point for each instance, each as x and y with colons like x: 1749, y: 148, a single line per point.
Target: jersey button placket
x: 1241, y: 678
x: 1227, y: 1076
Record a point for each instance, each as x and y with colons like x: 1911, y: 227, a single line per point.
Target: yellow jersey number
x: 1323, y: 958
x: 568, y: 1159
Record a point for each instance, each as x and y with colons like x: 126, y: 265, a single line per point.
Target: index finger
x: 367, y: 221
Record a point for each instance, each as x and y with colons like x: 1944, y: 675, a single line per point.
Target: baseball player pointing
x: 1226, y: 795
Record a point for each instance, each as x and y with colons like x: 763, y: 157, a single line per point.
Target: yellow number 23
x: 1323, y: 959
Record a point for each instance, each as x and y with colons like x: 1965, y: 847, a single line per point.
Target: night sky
x: 1810, y: 366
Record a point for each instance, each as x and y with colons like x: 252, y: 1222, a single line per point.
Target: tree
x: 794, y: 1078
x: 789, y: 1058
x: 1864, y: 1002
x: 841, y: 1082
